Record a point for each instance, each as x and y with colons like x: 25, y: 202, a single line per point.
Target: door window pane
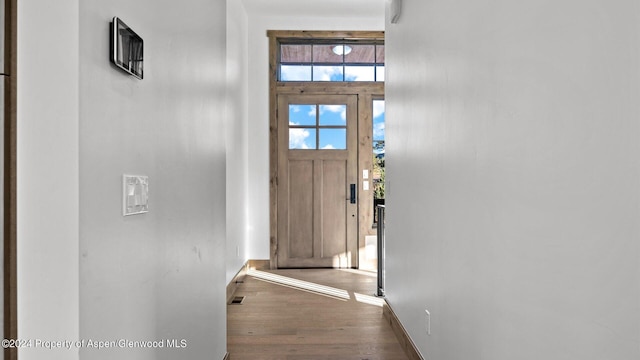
x: 333, y: 115
x: 333, y: 139
x: 302, y: 138
x: 317, y: 127
x: 302, y: 114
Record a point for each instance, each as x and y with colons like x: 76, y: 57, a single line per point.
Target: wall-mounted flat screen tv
x: 126, y: 48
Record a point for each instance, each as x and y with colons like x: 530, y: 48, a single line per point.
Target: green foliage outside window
x: 378, y: 170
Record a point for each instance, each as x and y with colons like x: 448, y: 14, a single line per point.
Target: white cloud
x: 378, y: 108
x: 295, y: 73
x: 328, y: 147
x: 324, y: 73
x: 342, y: 109
x: 378, y: 131
x: 360, y: 73
x: 379, y: 73
x: 298, y: 108
x: 298, y: 138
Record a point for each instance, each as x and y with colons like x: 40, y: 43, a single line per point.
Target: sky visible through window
x: 326, y: 130
x: 378, y: 126
x: 331, y: 73
x: 307, y: 130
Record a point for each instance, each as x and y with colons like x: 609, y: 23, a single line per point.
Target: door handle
x: 352, y: 191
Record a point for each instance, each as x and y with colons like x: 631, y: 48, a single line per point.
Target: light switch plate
x: 135, y: 194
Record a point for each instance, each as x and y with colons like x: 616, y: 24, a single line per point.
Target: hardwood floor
x: 309, y: 314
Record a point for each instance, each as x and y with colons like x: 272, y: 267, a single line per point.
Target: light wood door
x: 317, y: 181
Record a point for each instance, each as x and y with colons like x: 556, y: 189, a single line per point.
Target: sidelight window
x: 378, y: 155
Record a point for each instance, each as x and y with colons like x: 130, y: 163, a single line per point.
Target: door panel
x: 317, y: 162
x: 334, y: 211
x: 301, y: 212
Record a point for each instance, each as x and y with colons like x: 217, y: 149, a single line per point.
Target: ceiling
x: 332, y: 8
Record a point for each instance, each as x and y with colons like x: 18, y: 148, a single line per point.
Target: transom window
x: 331, y: 61
x: 318, y: 127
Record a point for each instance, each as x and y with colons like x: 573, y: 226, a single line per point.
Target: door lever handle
x: 352, y: 191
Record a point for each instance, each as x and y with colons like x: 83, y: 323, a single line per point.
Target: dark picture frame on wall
x: 127, y: 48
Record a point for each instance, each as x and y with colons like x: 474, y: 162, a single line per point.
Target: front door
x: 317, y: 181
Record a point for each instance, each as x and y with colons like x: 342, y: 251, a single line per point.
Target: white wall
x: 159, y: 275
x: 2, y: 80
x: 2, y: 194
x: 514, y: 178
x: 236, y: 137
x: 48, y: 175
x: 280, y: 17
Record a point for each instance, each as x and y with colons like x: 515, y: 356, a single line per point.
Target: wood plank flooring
x: 309, y: 314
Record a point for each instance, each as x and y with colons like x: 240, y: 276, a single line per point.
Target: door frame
x: 364, y: 91
x: 9, y: 74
